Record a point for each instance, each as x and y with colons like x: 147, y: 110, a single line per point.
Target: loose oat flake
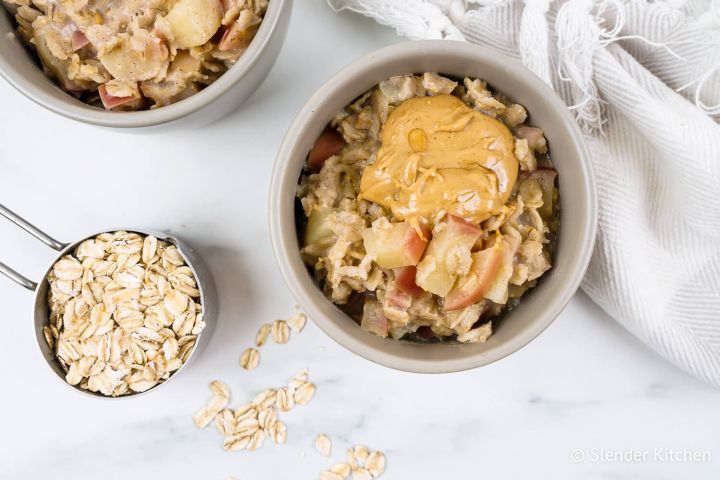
x: 297, y: 322
x: 125, y: 313
x: 323, y: 445
x: 280, y: 331
x: 250, y: 358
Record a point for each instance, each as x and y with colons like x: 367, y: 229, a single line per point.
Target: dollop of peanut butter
x: 439, y: 154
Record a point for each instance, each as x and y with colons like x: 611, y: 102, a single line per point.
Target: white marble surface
x: 585, y: 384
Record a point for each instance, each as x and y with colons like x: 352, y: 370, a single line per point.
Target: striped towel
x: 643, y: 80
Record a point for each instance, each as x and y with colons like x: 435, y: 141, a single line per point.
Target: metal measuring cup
x: 208, y: 300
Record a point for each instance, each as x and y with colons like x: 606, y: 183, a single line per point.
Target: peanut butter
x: 439, y: 154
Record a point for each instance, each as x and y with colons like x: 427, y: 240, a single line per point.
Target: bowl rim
x: 73, y: 109
x: 300, y: 283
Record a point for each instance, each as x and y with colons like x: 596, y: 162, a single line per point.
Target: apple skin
x: 110, y: 101
x: 329, y: 143
x: 405, y: 281
x: 236, y: 37
x: 458, y: 237
x: 395, y: 245
x: 472, y: 287
x: 78, y: 40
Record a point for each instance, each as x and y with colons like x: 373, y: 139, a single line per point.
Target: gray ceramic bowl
x: 577, y: 202
x: 220, y: 98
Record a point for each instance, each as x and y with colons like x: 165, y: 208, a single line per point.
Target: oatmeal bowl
x: 138, y: 64
x: 432, y: 207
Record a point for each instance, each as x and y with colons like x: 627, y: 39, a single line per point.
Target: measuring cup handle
x: 17, y: 278
x: 35, y: 232
x: 31, y: 229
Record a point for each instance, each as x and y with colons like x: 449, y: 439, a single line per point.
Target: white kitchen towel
x: 643, y: 80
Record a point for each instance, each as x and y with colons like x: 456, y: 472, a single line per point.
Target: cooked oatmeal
x: 428, y: 208
x: 137, y: 54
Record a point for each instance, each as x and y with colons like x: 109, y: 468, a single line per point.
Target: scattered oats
x: 323, y: 445
x: 342, y: 469
x: 267, y: 418
x: 298, y: 380
x: 262, y: 334
x: 225, y: 422
x: 234, y: 443
x: 328, y: 475
x: 297, y: 322
x: 375, y: 464
x: 257, y: 440
x: 285, y: 400
x: 220, y: 389
x: 247, y: 427
x: 351, y: 458
x: 361, y: 474
x: 304, y: 393
x: 266, y: 398
x: 361, y: 454
x: 280, y: 331
x: 249, y: 359
x: 278, y: 433
x: 220, y: 398
x: 112, y: 303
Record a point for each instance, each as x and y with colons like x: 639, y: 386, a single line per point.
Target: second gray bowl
x: 23, y: 72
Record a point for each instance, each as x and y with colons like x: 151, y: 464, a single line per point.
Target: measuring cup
x: 208, y: 301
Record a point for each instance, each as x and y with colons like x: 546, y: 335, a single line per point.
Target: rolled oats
x: 278, y: 433
x: 361, y: 474
x: 297, y: 322
x: 262, y: 334
x: 250, y: 359
x: 285, y: 400
x: 328, y: 475
x: 280, y: 331
x: 304, y: 393
x: 323, y: 445
x: 342, y: 469
x: 375, y: 464
x: 247, y: 427
x: 124, y: 313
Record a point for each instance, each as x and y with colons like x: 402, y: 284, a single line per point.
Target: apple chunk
x: 394, y: 245
x: 472, y: 287
x: 318, y: 226
x: 329, y: 143
x: 405, y: 281
x: 447, y: 256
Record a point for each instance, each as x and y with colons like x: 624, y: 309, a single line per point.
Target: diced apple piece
x: 397, y: 299
x: 78, y: 40
x: 534, y: 136
x: 405, y: 281
x: 194, y: 22
x: 237, y: 36
x: 394, y: 245
x: 546, y: 179
x: 472, y: 287
x: 318, y: 227
x: 438, y: 269
x: 111, y: 101
x: 373, y: 319
x: 329, y: 143
x: 498, y: 291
